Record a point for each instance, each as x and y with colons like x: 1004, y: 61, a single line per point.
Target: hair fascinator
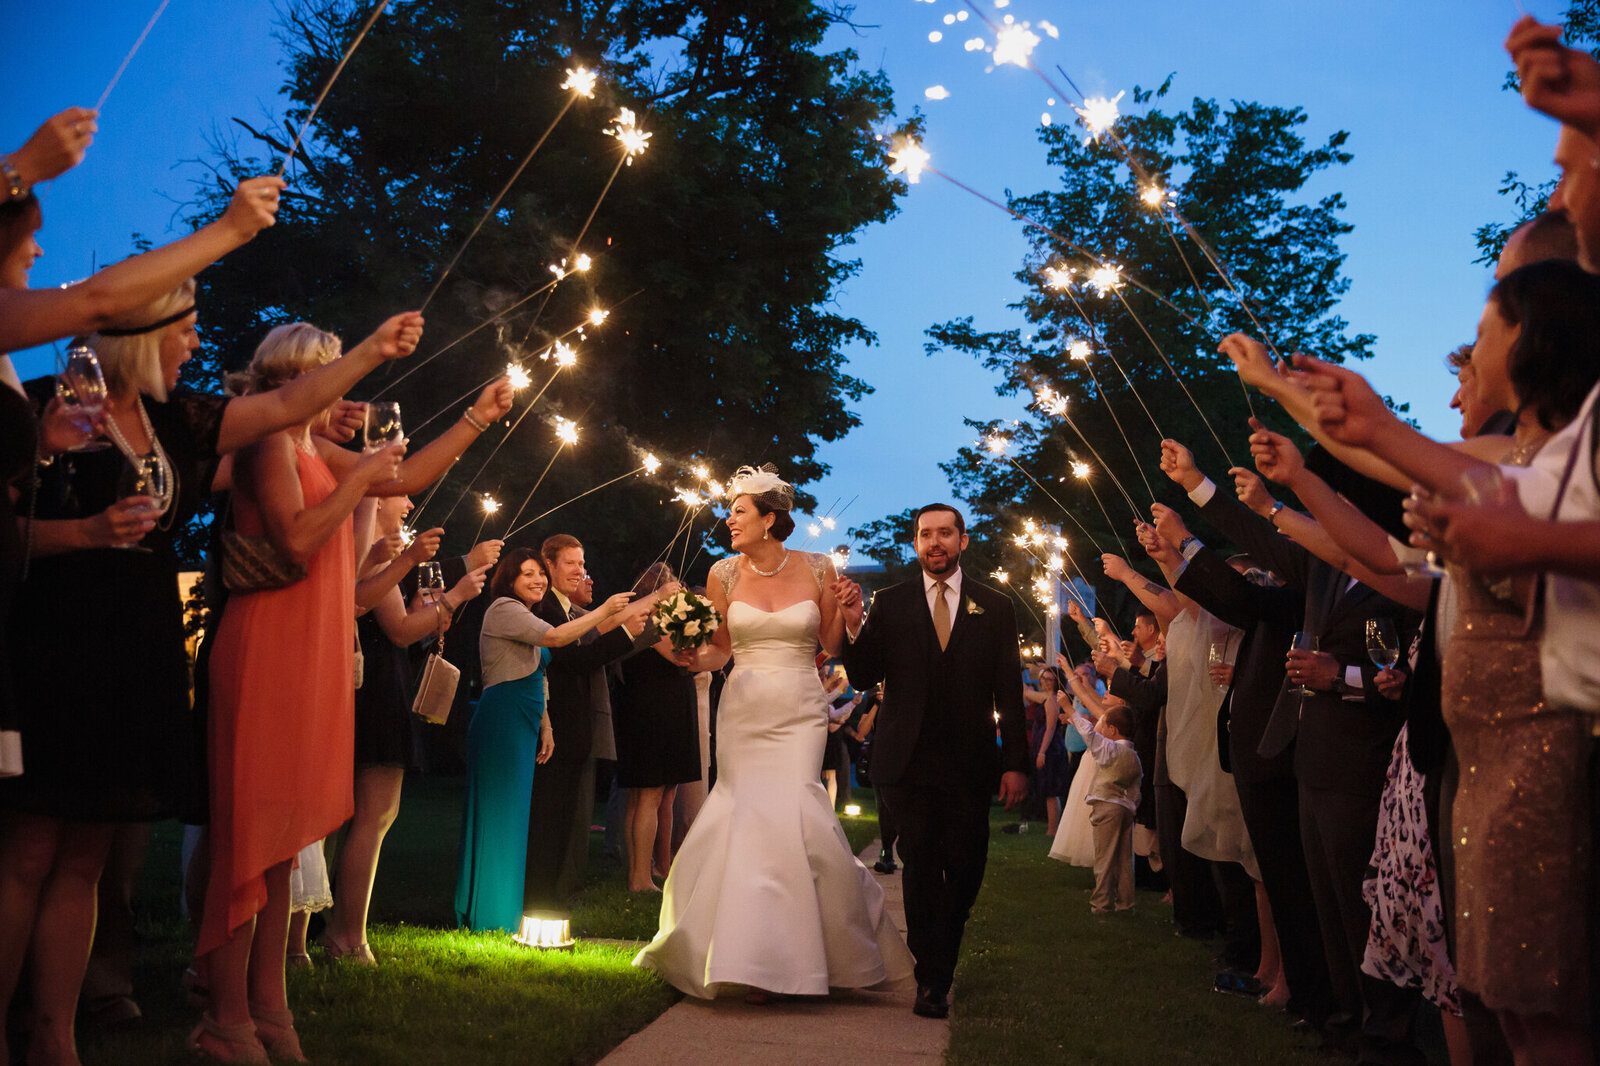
x: 763, y: 483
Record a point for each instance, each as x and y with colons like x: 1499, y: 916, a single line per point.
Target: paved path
x: 845, y: 1027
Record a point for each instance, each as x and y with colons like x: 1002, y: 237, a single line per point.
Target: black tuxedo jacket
x: 936, y: 721
x: 1340, y: 745
x: 1269, y: 618
x: 574, y: 671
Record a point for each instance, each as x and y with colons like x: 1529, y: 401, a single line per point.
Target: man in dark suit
x: 1342, y: 730
x: 563, y: 790
x: 945, y: 649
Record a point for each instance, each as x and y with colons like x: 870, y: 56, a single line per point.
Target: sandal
x: 275, y: 1030
x: 227, y: 1043
x: 297, y: 960
x: 360, y: 954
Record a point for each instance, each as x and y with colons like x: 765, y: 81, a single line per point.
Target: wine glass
x: 430, y: 581
x: 1382, y: 647
x: 1217, y: 655
x: 145, y: 475
x: 1303, y: 641
x: 382, y: 426
x: 1478, y: 485
x: 82, y: 387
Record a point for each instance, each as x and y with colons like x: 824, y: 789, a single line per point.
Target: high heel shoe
x: 228, y: 1043
x: 360, y: 954
x: 275, y: 1030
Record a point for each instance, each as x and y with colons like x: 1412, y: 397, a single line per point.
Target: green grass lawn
x: 1041, y: 980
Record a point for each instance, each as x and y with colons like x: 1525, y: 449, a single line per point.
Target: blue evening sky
x: 1417, y: 84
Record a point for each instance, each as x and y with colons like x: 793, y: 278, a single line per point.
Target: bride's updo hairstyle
x: 769, y: 494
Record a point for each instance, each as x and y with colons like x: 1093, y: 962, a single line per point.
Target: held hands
x: 1562, y: 82
x: 1313, y: 669
x: 1252, y: 359
x: 346, y: 418
x: 1347, y: 408
x: 381, y: 465
x: 852, y: 605
x: 1177, y: 462
x: 494, y: 401
x: 1169, y: 526
x: 485, y: 553
x: 57, y: 146
x: 1251, y: 490
x: 468, y: 588
x: 124, y: 523
x: 615, y: 605
x: 254, y: 206
x: 1275, y: 455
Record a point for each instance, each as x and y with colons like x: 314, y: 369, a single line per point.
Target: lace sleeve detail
x: 819, y: 568
x: 726, y: 572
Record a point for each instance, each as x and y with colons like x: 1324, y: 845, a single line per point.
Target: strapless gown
x: 765, y: 891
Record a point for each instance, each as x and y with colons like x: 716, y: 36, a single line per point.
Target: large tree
x: 717, y: 251
x: 1237, y: 173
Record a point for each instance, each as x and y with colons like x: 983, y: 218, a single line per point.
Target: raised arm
x: 37, y: 316
x: 1156, y: 598
x: 269, y: 474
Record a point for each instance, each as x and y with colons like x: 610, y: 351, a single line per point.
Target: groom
x: 945, y: 648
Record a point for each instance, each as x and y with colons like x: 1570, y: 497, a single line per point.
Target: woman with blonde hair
x: 97, y: 641
x: 282, y: 712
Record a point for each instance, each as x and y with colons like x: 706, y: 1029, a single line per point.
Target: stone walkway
x: 845, y: 1027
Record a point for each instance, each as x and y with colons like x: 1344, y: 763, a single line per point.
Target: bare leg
x: 377, y: 804
x: 1543, y: 1040
x: 27, y: 852
x: 832, y: 785
x: 663, y: 848
x: 1270, y: 973
x: 265, y: 973
x: 1456, y: 1038
x: 296, y: 954
x: 643, y: 804
x: 109, y: 979
x: 62, y: 936
x: 1052, y: 815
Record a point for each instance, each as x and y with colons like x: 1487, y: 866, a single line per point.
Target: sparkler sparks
x: 1080, y: 350
x: 651, y: 463
x: 598, y: 315
x: 581, y: 81
x: 629, y: 135
x: 828, y: 523
x: 407, y: 535
x: 1001, y: 576
x: 1050, y: 401
x: 909, y: 160
x: 688, y: 497
x: 1154, y: 196
x: 560, y: 354
x: 582, y: 263
x: 701, y: 472
x: 1014, y: 44
x: 996, y: 444
x: 1105, y: 279
x: 519, y: 377
x: 814, y: 530
x: 490, y: 504
x: 840, y: 557
x: 566, y: 431
x: 1081, y: 471
x: 714, y: 489
x: 1099, y: 114
x: 1057, y: 277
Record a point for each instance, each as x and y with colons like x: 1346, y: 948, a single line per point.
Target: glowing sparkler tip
x: 1099, y: 114
x: 566, y: 431
x: 519, y: 377
x: 598, y: 315
x: 1105, y: 279
x: 1057, y: 277
x: 1079, y: 350
x: 490, y: 504
x: 714, y: 489
x: 910, y: 160
x: 1014, y: 44
x: 828, y: 523
x: 996, y: 444
x: 1001, y: 576
x: 651, y: 463
x: 688, y: 497
x: 1154, y: 196
x: 582, y: 263
x: 1050, y: 401
x: 701, y: 472
x: 628, y: 134
x: 581, y: 81
x: 560, y: 354
x: 407, y: 535
x: 840, y: 557
x: 1081, y: 471
x: 814, y: 530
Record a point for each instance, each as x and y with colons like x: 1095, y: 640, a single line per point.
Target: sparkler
x: 519, y: 377
x: 1015, y: 44
x: 1051, y: 496
x: 649, y: 466
x: 566, y: 436
x: 629, y: 135
x: 1057, y: 277
x: 490, y: 506
x: 580, y: 81
x: 1099, y: 114
x: 1083, y: 472
x: 137, y: 44
x: 328, y: 85
x: 909, y: 159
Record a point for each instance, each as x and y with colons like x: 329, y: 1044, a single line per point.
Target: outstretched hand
x: 1348, y: 409
x: 57, y: 146
x: 254, y: 206
x: 398, y: 337
x: 1177, y: 462
x: 1251, y: 490
x: 1562, y: 82
x: 1116, y: 567
x: 495, y: 400
x: 1169, y: 524
x: 1275, y: 455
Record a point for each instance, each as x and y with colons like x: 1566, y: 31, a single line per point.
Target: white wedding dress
x: 765, y: 891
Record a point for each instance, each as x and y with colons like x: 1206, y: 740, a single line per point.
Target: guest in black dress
x: 1050, y: 762
x: 656, y: 719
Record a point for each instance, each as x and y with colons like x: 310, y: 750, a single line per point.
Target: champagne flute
x: 1217, y: 655
x: 1382, y: 647
x: 382, y: 426
x: 82, y: 386
x: 430, y: 581
x: 1303, y: 641
x: 145, y: 476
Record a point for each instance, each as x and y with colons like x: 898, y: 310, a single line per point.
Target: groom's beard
x: 949, y: 562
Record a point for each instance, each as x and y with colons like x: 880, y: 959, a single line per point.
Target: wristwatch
x: 16, y: 188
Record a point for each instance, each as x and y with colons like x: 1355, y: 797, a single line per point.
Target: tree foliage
x: 718, y: 250
x: 1238, y: 173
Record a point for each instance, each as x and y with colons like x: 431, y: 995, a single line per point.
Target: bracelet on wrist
x: 474, y: 421
x: 15, y: 187
x: 1272, y: 512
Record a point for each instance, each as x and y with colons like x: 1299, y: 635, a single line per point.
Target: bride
x: 765, y: 892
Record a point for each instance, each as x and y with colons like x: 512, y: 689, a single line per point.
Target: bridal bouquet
x: 686, y: 619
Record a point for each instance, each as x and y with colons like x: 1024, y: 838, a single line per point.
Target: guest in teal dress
x: 509, y: 736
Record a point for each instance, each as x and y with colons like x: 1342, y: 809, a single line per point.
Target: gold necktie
x: 941, y: 614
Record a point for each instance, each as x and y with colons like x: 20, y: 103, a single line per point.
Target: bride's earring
x: 764, y: 535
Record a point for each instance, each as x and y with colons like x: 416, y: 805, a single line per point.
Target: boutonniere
x: 972, y: 606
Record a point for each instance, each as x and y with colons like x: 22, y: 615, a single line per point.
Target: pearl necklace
x: 156, y: 450
x: 769, y: 573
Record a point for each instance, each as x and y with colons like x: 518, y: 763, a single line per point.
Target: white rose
x: 691, y: 628
x: 681, y: 609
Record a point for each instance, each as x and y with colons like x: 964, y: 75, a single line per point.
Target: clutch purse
x: 437, y: 690
x: 253, y: 564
